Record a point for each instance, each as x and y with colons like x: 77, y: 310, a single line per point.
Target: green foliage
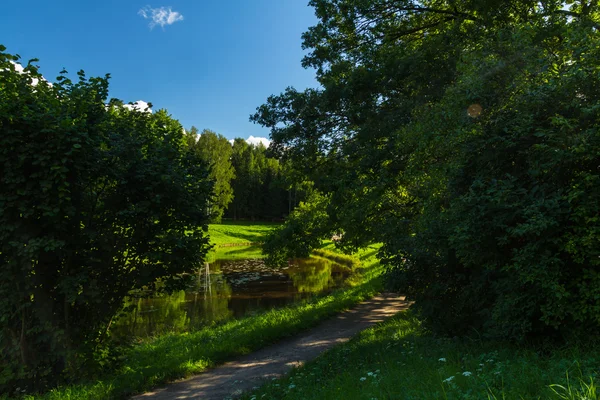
x: 215, y: 150
x: 95, y: 200
x: 464, y: 137
x: 301, y: 233
x: 261, y: 188
x: 400, y: 360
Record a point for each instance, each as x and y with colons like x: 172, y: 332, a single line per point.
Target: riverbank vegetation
x: 172, y: 356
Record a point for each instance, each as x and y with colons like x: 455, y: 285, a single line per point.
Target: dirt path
x: 231, y: 379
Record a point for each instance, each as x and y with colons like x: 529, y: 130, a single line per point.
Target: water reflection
x: 228, y: 289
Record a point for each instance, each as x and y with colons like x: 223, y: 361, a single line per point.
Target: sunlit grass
x: 239, y: 232
x: 399, y: 360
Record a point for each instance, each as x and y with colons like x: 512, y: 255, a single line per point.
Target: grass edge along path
x: 175, y: 356
x: 399, y: 360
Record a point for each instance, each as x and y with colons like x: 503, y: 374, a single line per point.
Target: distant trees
x: 262, y: 187
x: 95, y: 200
x: 215, y: 150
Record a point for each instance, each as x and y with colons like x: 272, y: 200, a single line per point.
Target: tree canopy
x: 464, y: 137
x: 215, y: 150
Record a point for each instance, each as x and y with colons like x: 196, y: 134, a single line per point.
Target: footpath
x: 231, y: 379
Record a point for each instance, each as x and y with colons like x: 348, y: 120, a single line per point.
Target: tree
x: 216, y: 150
x: 95, y: 200
x: 464, y: 137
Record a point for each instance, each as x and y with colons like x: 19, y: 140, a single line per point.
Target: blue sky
x: 210, y: 64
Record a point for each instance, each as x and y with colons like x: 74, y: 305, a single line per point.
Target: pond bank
x: 174, y: 356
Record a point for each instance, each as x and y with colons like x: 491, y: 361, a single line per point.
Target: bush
x: 95, y: 200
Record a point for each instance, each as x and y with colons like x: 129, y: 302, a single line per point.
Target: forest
x: 451, y: 147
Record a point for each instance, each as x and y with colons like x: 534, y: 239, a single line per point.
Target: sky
x: 209, y: 63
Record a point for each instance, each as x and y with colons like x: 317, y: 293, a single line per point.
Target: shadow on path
x: 231, y: 379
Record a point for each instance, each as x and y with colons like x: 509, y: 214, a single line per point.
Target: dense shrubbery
x: 95, y: 200
x: 302, y: 232
x: 465, y: 138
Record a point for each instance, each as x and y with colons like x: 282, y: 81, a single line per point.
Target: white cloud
x: 21, y: 70
x: 160, y: 16
x: 256, y: 140
x: 139, y: 105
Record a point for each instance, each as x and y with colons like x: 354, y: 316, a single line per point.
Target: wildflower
x: 447, y: 380
x: 442, y: 359
x: 362, y: 379
x: 291, y: 386
x: 370, y: 373
x: 467, y: 373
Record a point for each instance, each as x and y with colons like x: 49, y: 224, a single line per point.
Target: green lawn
x: 398, y: 360
x: 239, y: 232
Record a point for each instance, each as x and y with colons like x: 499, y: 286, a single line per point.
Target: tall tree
x: 464, y: 137
x: 216, y: 150
x: 95, y: 200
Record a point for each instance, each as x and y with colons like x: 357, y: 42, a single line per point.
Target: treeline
x: 249, y: 182
x: 464, y: 136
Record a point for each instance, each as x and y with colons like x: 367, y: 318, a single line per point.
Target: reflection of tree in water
x: 210, y: 302
x: 179, y: 311
x: 311, y: 275
x: 153, y: 315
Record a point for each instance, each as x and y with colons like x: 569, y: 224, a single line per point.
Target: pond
x: 227, y: 289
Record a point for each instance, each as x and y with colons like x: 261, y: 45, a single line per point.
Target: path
x: 231, y: 379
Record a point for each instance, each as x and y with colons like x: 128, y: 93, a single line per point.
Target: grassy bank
x: 174, y: 356
x: 398, y: 360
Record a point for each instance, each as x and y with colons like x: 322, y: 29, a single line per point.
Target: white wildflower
x: 362, y: 379
x: 447, y: 380
x: 467, y: 373
x: 442, y: 359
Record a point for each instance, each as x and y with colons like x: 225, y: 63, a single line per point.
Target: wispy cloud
x: 160, y: 16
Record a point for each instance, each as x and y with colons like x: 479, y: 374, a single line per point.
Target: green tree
x: 216, y: 150
x: 464, y: 137
x: 95, y: 200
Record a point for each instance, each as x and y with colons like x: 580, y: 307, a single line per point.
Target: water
x: 227, y: 289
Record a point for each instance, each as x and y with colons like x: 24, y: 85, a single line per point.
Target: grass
x: 172, y: 356
x: 239, y: 232
x: 399, y: 360
x: 234, y: 232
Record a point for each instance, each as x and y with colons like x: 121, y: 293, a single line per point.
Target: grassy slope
x: 174, y: 356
